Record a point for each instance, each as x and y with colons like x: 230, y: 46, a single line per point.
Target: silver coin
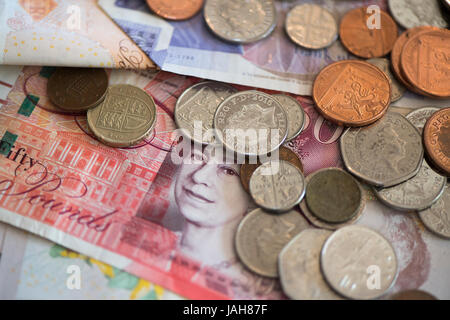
x: 420, y: 116
x: 397, y: 89
x: 384, y: 154
x: 241, y: 21
x: 199, y: 104
x: 359, y: 263
x: 437, y: 218
x: 415, y: 13
x: 299, y: 267
x: 295, y: 115
x: 417, y: 193
x: 277, y: 186
x: 251, y: 123
x: 311, y: 26
x: 261, y: 236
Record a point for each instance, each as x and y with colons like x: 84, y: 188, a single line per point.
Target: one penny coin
x: 352, y: 93
x: 362, y: 37
x: 436, y: 136
x: 175, y: 9
x: 77, y: 89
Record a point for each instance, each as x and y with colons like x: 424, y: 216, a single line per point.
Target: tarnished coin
x: 351, y: 255
x: 385, y: 153
x: 77, y: 89
x: 417, y: 193
x: 413, y: 295
x: 175, y: 9
x: 126, y: 116
x: 397, y: 89
x: 241, y: 21
x: 294, y: 113
x: 284, y: 153
x: 311, y: 26
x: 414, y: 13
x: 196, y: 106
x: 436, y: 137
x: 299, y: 267
x: 437, y: 217
x: 277, y: 186
x: 333, y: 195
x: 261, y: 236
x: 362, y: 37
x: 352, y: 93
x: 251, y: 123
x: 420, y: 116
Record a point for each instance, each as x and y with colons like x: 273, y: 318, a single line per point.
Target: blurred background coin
x: 175, y: 9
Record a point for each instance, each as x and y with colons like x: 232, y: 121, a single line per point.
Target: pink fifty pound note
x: 135, y: 209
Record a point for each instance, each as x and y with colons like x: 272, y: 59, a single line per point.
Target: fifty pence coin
x: 349, y: 253
x: 436, y: 137
x: 333, y: 195
x: 414, y: 13
x: 126, y: 116
x: 437, y: 217
x: 77, y: 89
x: 299, y: 267
x: 294, y: 113
x: 277, y: 186
x: 420, y: 116
x: 311, y: 26
x: 397, y: 89
x: 196, y: 106
x: 251, y: 123
x: 385, y: 153
x: 417, y: 193
x: 261, y: 236
x: 241, y: 21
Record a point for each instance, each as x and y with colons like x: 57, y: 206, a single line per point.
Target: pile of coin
x: 118, y: 116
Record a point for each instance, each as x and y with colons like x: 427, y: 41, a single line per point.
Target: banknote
x: 189, y: 48
x: 64, y: 33
x: 138, y: 210
x: 35, y: 268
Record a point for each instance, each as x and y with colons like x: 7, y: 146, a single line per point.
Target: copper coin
x: 436, y: 136
x: 286, y: 154
x: 413, y: 295
x: 352, y: 93
x: 425, y: 61
x: 365, y: 42
x: 175, y: 9
x: 77, y: 89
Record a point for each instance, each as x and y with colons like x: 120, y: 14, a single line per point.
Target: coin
x: 437, y: 217
x: 196, y: 107
x: 333, y: 195
x: 311, y: 26
x: 241, y: 21
x: 413, y: 295
x: 299, y: 267
x: 417, y: 193
x: 414, y: 13
x: 351, y: 255
x: 385, y: 153
x: 352, y: 93
x: 294, y: 113
x: 175, y: 9
x: 284, y: 153
x: 77, y: 89
x: 261, y: 236
x: 436, y: 136
x: 251, y: 123
x: 126, y: 116
x: 420, y: 116
x: 365, y: 42
x: 424, y: 62
x: 397, y: 89
x: 277, y: 186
